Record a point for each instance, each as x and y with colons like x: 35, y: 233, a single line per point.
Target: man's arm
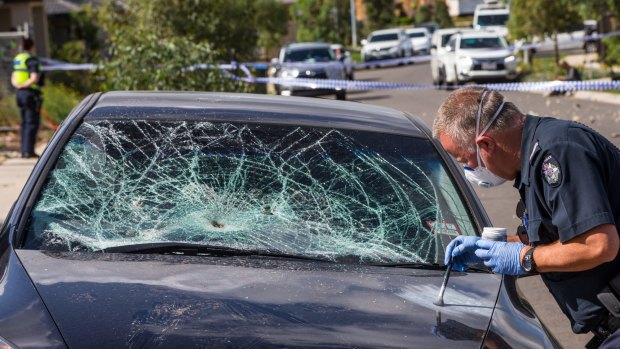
x: 583, y: 252
x: 33, y: 79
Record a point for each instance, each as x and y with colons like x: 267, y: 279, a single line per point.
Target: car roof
x: 413, y: 30
x: 307, y: 45
x: 255, y: 108
x: 386, y: 31
x: 480, y: 34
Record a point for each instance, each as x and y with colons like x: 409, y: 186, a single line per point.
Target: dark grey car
x: 309, y: 60
x: 204, y: 220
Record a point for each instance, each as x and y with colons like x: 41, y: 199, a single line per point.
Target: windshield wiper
x: 427, y: 266
x: 191, y: 249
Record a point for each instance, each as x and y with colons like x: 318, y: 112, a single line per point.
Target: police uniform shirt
x: 570, y: 183
x: 34, y: 67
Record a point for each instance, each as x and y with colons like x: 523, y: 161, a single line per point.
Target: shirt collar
x: 528, y: 145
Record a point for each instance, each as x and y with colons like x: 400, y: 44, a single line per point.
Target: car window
x: 490, y: 20
x: 470, y: 43
x: 452, y: 43
x: 383, y: 37
x: 416, y: 35
x: 445, y: 38
x: 309, y: 55
x: 321, y: 193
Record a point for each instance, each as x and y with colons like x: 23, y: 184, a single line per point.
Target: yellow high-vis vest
x: 20, y: 69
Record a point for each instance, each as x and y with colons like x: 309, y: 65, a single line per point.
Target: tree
x: 442, y: 15
x: 271, y: 19
x: 529, y: 18
x: 422, y: 14
x: 147, y: 54
x: 380, y: 13
x: 602, y: 11
x: 322, y: 20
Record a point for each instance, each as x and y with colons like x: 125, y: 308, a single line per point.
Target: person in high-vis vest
x: 26, y: 78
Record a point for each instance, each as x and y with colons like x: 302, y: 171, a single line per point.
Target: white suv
x: 385, y: 44
x: 478, y: 56
x: 439, y: 41
x: 420, y: 40
x: 491, y: 17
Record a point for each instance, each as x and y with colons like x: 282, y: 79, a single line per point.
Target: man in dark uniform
x: 26, y: 78
x: 568, y: 178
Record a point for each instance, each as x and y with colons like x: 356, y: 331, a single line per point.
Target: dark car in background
x: 310, y: 60
x: 212, y: 220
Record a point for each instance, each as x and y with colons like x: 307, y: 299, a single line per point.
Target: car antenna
x: 446, y: 276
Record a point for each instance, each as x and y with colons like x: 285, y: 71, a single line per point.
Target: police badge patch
x: 551, y: 171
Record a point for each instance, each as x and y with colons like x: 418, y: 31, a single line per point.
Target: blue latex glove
x: 501, y: 257
x: 462, y: 251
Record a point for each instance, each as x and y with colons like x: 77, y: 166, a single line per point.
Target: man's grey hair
x: 456, y: 117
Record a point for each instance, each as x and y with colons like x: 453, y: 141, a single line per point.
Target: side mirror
x: 434, y: 47
x: 274, y: 61
x: 364, y: 42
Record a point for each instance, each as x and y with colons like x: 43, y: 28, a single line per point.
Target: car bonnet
x: 126, y: 300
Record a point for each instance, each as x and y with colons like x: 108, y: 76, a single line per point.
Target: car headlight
x: 466, y: 62
x: 509, y: 59
x: 394, y: 49
x: 292, y: 73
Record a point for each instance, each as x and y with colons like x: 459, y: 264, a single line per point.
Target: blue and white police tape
x: 596, y: 85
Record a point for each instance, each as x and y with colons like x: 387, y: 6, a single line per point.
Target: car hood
x: 381, y: 45
x: 168, y: 301
x: 486, y: 54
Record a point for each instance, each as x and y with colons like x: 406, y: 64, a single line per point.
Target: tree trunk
x: 556, y: 49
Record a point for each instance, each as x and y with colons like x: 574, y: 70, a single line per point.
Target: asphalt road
x: 499, y: 202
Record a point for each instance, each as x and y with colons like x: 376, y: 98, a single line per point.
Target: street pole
x: 353, y: 25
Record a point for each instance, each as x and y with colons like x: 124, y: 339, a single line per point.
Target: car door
x: 449, y: 60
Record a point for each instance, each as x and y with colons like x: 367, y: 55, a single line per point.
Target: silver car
x: 386, y: 44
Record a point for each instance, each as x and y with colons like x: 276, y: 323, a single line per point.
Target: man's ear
x: 486, y: 143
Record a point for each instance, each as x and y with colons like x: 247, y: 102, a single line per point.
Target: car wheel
x: 341, y: 95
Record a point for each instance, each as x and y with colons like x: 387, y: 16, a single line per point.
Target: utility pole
x: 353, y: 24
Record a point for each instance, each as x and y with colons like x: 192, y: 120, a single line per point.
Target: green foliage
x: 58, y: 101
x: 9, y: 112
x: 84, y: 46
x: 322, y: 20
x: 613, y: 50
x: 530, y: 18
x: 442, y: 16
x: 151, y: 44
x: 271, y: 19
x: 422, y: 14
x: 379, y: 13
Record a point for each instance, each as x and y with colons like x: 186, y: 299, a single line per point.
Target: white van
x: 491, y: 16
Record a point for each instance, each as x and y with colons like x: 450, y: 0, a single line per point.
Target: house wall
x: 14, y: 14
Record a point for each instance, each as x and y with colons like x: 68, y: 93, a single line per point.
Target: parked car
x: 343, y: 55
x: 386, y: 44
x: 310, y: 60
x: 439, y: 41
x: 491, y: 16
x: 574, y: 39
x: 479, y: 56
x: 420, y: 40
x: 209, y: 220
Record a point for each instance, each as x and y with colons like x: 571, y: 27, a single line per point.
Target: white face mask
x: 481, y: 175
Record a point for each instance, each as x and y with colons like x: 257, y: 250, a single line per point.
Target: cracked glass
x: 314, y: 192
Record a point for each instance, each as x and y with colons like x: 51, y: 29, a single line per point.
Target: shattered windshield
x: 315, y: 192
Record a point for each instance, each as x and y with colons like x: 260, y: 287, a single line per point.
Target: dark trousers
x: 29, y: 103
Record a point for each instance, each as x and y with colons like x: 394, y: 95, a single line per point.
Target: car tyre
x: 341, y: 95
